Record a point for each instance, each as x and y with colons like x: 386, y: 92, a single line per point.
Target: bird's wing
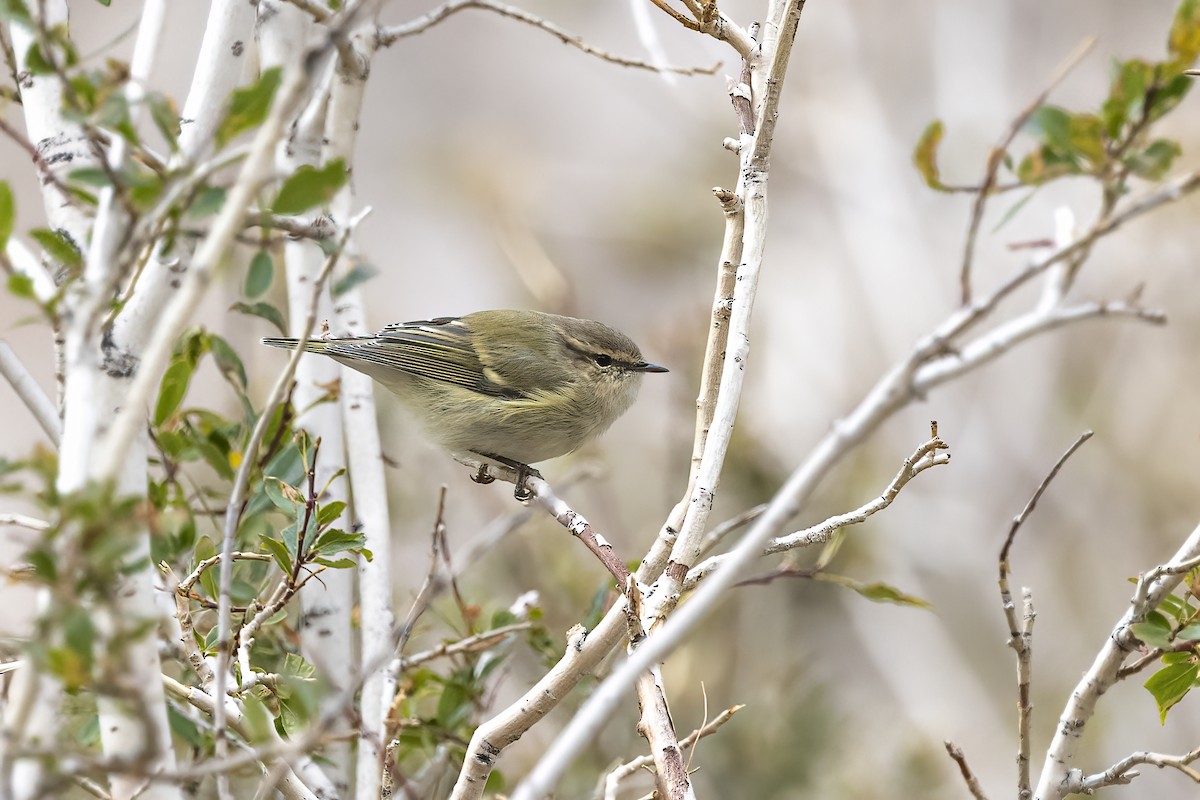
x: 438, y: 349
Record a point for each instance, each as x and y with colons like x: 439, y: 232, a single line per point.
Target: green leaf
x: 1154, y: 162
x: 215, y: 457
x: 502, y: 618
x: 228, y: 361
x: 1014, y: 209
x: 36, y: 61
x: 340, y: 563
x: 1126, y: 95
x: 8, y: 214
x: 184, y: 728
x: 260, y: 274
x: 21, y: 286
x: 335, y: 541
x: 294, y: 666
x: 1189, y: 633
x: 165, y: 116
x: 59, y: 246
x: 330, y: 512
x: 173, y: 388
x: 1154, y: 634
x: 359, y: 273
x: 454, y: 705
x: 209, y: 201
x: 875, y: 592
x: 285, y: 497
x: 90, y: 176
x: 278, y: 552
x: 1170, y: 685
x: 1045, y: 164
x: 208, y: 579
x: 248, y: 106
x: 264, y: 311
x: 310, y: 186
x: 1052, y: 124
x: 925, y: 155
x: 1183, y: 41
x: 1168, y: 95
x: 17, y: 12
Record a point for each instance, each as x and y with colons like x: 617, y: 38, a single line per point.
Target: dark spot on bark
x: 176, y: 283
x: 117, y: 363
x: 238, y: 48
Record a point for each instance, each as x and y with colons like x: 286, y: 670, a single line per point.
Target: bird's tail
x: 311, y: 346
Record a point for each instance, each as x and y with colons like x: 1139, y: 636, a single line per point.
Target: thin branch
x: 613, y: 779
x: 187, y: 633
x: 470, y: 644
x: 1122, y: 772
x: 385, y: 37
x: 1153, y: 587
x: 314, y: 9
x: 655, y: 724
x: 924, y: 457
x: 1019, y: 519
x: 30, y: 392
x: 972, y: 782
x: 580, y: 528
x: 596, y: 711
x: 687, y: 22
x: 23, y: 521
x: 996, y: 158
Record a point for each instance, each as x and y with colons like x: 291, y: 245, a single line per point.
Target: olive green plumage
x: 519, y: 385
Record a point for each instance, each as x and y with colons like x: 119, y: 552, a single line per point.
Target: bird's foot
x: 521, y: 490
x: 482, y: 476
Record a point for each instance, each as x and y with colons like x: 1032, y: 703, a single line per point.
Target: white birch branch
x: 773, y: 60
x: 255, y: 172
x: 364, y: 450
x: 326, y: 631
x: 1059, y: 776
x: 30, y: 392
x: 612, y: 781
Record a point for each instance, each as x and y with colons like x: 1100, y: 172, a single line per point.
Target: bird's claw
x: 482, y: 476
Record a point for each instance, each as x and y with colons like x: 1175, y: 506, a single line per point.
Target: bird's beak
x: 647, y: 367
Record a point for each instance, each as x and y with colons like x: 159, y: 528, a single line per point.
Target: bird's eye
x: 602, y: 360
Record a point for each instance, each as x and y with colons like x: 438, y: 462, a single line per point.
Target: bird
x: 512, y: 386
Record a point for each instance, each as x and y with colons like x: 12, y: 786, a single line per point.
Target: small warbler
x: 516, y: 387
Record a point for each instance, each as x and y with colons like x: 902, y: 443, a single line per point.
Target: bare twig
x: 580, y: 528
x: 1122, y: 772
x: 687, y: 22
x: 385, y: 37
x: 470, y: 644
x: 972, y: 782
x: 613, y: 779
x: 996, y: 158
x: 926, y: 456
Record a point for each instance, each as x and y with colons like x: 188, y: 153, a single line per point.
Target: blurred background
x: 506, y: 170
